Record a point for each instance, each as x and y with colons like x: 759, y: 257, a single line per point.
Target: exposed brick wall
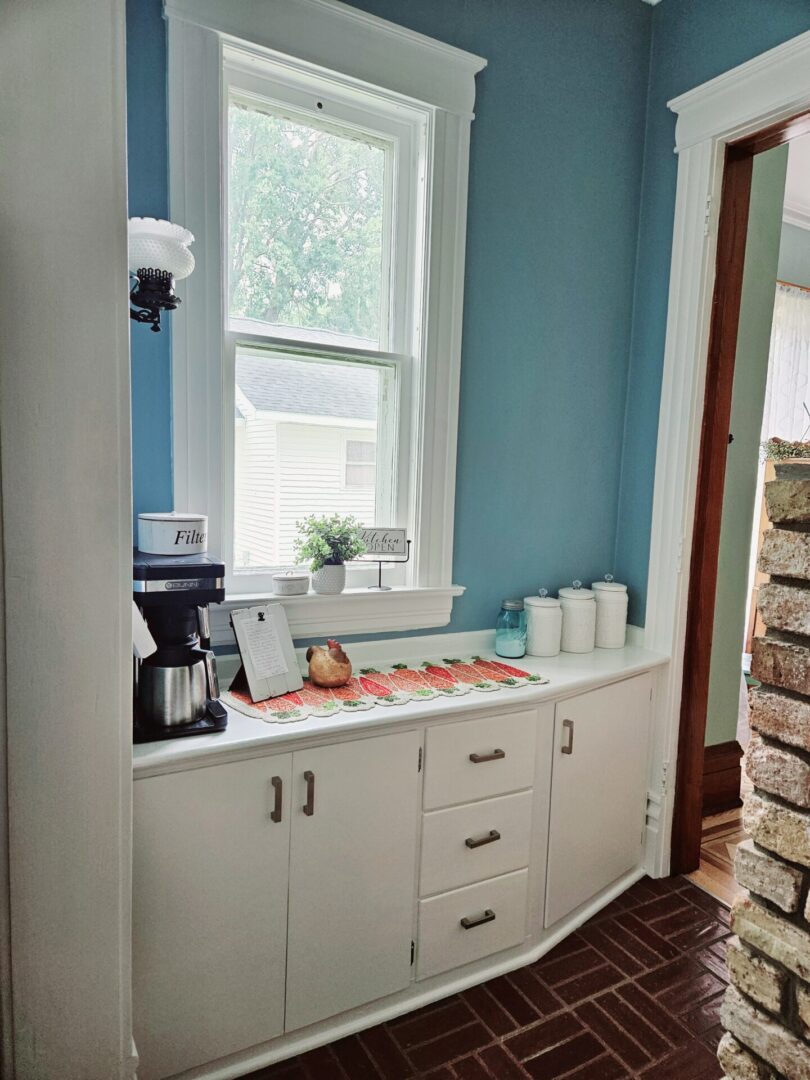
x: 767, y: 1007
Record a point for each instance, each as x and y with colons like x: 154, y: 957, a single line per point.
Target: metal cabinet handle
x: 490, y: 838
x: 568, y: 725
x: 468, y: 923
x: 278, y: 788
x: 309, y: 805
x: 496, y: 755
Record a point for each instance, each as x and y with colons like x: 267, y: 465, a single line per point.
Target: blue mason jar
x: 510, y: 630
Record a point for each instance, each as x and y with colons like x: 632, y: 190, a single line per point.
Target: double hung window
x: 319, y: 155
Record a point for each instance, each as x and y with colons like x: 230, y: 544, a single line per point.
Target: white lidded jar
x: 578, y: 619
x: 611, y: 613
x: 544, y: 624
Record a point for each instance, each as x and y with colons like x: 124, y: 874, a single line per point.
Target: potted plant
x: 327, y: 543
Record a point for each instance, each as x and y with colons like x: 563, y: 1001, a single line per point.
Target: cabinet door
x: 352, y: 875
x: 209, y: 912
x: 598, y: 792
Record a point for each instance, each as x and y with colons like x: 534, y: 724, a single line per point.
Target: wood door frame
x: 726, y: 304
x: 720, y: 125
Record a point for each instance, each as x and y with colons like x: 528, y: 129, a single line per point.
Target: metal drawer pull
x: 488, y: 916
x: 568, y: 725
x: 309, y: 805
x: 278, y: 787
x: 490, y: 838
x: 496, y: 755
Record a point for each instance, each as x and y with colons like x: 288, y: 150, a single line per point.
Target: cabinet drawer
x: 495, y: 910
x: 470, y: 843
x: 479, y: 758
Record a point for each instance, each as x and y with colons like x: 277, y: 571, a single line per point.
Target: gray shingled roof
x: 281, y: 385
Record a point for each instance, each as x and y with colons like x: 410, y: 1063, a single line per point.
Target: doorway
x: 769, y: 427
x: 738, y: 320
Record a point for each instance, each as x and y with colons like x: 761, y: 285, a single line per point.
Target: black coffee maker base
x: 215, y: 719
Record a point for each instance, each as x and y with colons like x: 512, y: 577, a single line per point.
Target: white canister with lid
x: 578, y: 619
x: 611, y: 613
x: 544, y: 624
x: 173, y: 534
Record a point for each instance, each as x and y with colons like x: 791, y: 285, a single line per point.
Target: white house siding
x: 254, y: 534
x: 291, y: 470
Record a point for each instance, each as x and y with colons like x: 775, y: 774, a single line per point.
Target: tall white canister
x: 611, y: 613
x: 578, y: 619
x: 544, y: 624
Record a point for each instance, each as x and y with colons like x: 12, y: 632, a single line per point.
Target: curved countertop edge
x: 246, y: 737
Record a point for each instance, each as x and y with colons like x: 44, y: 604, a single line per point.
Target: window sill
x: 355, y: 611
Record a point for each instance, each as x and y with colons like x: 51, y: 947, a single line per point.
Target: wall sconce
x: 158, y: 256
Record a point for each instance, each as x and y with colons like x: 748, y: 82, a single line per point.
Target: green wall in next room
x: 739, y: 496
x: 794, y: 255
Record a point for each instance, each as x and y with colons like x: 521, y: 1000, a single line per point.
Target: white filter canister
x: 578, y: 620
x: 611, y: 614
x: 543, y: 625
x: 173, y: 534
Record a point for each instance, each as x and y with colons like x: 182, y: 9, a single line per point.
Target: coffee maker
x: 176, y: 688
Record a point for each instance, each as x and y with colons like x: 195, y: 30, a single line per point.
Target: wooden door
x: 598, y: 792
x: 209, y: 912
x: 352, y: 874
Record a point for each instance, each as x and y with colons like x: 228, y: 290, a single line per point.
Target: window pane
x: 306, y: 229
x: 306, y: 438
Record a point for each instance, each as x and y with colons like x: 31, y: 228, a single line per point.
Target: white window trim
x: 331, y: 36
x: 763, y: 91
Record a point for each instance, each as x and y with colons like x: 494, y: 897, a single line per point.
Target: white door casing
x: 761, y: 92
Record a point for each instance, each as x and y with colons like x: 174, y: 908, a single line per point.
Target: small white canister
x: 291, y: 583
x: 611, y: 613
x: 578, y: 619
x: 543, y: 624
x: 173, y: 534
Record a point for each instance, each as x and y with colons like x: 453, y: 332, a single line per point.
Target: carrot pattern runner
x: 392, y: 685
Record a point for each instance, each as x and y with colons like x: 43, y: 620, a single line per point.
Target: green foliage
x: 782, y: 450
x: 328, y: 541
x: 306, y: 225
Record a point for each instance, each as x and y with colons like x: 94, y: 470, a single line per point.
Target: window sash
x: 393, y: 444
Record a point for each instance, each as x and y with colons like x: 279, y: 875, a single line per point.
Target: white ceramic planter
x: 329, y: 580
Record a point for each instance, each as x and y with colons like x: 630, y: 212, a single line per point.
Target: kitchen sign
x: 385, y: 543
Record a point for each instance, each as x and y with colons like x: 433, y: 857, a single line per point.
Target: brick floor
x: 635, y: 992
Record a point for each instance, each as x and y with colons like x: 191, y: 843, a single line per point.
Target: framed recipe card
x: 267, y: 651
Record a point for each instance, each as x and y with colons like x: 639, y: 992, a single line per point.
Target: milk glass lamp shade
x: 158, y: 256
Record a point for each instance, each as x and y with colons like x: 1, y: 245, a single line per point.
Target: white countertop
x: 247, y: 736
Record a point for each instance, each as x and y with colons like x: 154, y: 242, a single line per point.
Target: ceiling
x: 797, y: 186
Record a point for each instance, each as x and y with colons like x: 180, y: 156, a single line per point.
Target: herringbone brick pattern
x: 635, y: 992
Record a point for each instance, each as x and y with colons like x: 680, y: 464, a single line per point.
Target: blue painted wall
x: 555, y: 183
x: 147, y: 158
x: 693, y: 41
x: 794, y: 255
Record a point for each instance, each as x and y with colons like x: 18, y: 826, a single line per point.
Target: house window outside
x: 361, y: 467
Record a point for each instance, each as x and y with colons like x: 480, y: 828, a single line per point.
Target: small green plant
x: 781, y: 449
x: 328, y: 541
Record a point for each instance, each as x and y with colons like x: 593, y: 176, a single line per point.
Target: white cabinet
x: 220, y: 963
x: 352, y: 890
x: 209, y: 912
x: 598, y: 792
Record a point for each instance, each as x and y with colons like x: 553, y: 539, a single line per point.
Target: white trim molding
x: 336, y: 37
x: 767, y: 89
x: 333, y: 41
x: 794, y: 214
x: 356, y: 611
